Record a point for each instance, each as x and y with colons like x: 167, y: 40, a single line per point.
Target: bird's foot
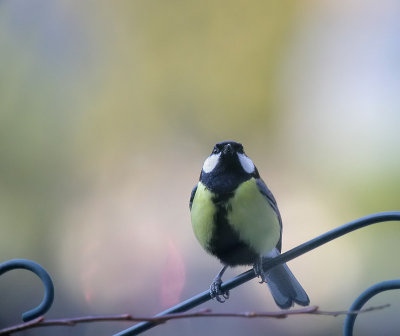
x: 215, y: 289
x: 216, y: 292
x: 259, y: 270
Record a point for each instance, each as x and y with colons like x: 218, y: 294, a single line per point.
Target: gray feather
x: 284, y: 287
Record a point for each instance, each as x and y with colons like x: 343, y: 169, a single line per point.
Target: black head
x: 228, y: 147
x: 227, y: 167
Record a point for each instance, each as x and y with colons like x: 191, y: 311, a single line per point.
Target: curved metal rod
x: 363, y: 298
x: 43, y: 275
x: 283, y: 258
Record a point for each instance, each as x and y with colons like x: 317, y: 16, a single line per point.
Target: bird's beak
x: 228, y: 149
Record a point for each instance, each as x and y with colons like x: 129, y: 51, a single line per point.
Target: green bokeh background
x: 108, y: 109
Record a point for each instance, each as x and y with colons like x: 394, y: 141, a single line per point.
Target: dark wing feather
x: 192, y: 196
x: 272, y: 202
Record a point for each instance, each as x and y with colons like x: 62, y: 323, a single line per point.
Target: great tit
x: 235, y: 217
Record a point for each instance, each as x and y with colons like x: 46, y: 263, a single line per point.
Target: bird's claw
x: 259, y: 271
x: 216, y: 292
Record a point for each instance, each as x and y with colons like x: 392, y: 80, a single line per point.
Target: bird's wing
x: 192, y: 196
x: 272, y: 202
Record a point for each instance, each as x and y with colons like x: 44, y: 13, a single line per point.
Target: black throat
x: 226, y: 176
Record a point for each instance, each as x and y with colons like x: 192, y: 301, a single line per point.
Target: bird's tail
x: 284, y: 287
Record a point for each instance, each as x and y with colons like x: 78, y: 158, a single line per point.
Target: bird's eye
x: 215, y: 150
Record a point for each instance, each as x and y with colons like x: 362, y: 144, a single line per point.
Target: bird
x: 235, y: 218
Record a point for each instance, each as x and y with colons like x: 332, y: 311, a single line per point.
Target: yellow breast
x: 251, y: 215
x: 202, y: 213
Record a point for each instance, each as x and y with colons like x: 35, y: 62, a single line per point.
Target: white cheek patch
x: 211, y: 162
x: 247, y: 164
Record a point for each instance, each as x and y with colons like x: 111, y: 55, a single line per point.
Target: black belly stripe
x: 225, y: 243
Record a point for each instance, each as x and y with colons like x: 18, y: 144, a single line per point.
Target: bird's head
x: 228, y: 157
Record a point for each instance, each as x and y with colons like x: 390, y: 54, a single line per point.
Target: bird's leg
x: 259, y: 270
x: 215, y: 288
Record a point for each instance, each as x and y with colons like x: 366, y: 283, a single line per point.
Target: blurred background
x: 109, y: 108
